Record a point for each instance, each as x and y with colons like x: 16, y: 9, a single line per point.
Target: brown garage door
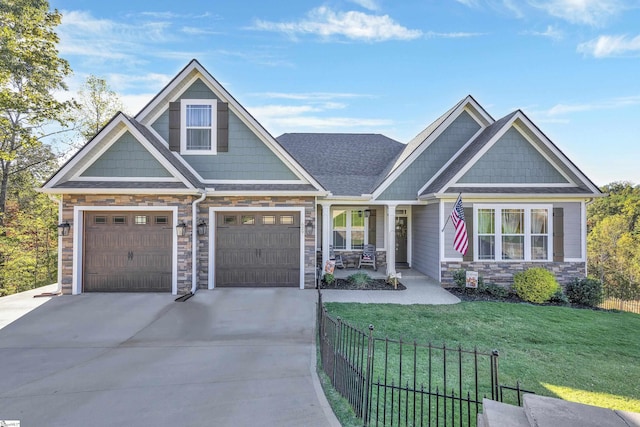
x: 127, y: 251
x: 258, y: 249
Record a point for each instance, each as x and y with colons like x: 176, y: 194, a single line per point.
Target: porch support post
x: 391, y: 239
x: 326, y: 233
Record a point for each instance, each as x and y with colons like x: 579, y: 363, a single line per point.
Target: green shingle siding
x: 126, y: 158
x: 512, y: 159
x: 406, y: 186
x: 247, y: 158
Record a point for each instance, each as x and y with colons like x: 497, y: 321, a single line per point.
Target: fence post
x: 367, y: 378
x: 495, y: 381
x: 336, y: 345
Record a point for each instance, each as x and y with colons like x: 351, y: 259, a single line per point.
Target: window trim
x: 498, y: 209
x: 348, y: 228
x: 213, y: 103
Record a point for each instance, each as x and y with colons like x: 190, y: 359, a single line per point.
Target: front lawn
x: 579, y: 355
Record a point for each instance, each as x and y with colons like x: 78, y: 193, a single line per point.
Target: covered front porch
x: 346, y: 227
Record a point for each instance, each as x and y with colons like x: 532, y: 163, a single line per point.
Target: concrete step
x: 498, y: 414
x: 631, y: 418
x: 542, y: 411
x: 480, y: 421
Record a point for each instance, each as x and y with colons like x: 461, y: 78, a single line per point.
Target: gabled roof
x: 427, y: 136
x: 446, y: 179
x: 345, y: 164
x: 184, y: 179
x: 194, y: 69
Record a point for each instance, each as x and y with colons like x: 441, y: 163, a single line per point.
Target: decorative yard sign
x: 472, y: 279
x: 329, y: 267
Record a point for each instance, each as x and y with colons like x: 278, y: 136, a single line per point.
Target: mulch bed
x: 473, y: 295
x: 373, y: 285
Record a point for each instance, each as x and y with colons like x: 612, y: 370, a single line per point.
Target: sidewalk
x: 13, y: 307
x: 420, y: 290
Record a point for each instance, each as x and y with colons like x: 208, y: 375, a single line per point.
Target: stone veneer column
x: 326, y: 233
x: 391, y: 239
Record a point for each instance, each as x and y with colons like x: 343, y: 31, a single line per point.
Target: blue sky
x: 383, y: 66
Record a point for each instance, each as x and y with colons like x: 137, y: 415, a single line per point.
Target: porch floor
x: 420, y: 289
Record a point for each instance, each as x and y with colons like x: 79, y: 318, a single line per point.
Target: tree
x: 30, y: 72
x: 98, y: 103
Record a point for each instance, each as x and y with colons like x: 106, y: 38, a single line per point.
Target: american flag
x: 461, y: 241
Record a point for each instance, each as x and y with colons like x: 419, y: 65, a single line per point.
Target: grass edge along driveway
x: 579, y: 355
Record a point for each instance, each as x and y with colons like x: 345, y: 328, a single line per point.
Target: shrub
x: 586, y: 291
x: 496, y: 291
x: 460, y: 278
x: 329, y: 278
x: 535, y: 285
x: 559, y: 298
x: 360, y: 279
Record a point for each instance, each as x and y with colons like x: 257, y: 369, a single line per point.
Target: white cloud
x: 123, y: 82
x: 312, y: 96
x: 589, y: 12
x: 197, y: 31
x: 453, y: 35
x: 325, y: 22
x: 84, y: 35
x: 469, y: 3
x: 551, y: 32
x: 606, y: 46
x: 367, y: 4
x: 608, y: 104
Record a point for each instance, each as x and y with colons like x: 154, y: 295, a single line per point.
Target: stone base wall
x: 501, y: 273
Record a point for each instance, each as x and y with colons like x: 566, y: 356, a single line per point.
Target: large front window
x: 512, y: 233
x: 198, y: 126
x: 348, y: 229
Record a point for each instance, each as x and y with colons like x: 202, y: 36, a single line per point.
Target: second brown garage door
x: 257, y: 249
x: 127, y: 251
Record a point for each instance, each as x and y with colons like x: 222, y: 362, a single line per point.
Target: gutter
x: 194, y: 243
x: 55, y: 198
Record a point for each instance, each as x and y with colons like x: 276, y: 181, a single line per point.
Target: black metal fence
x: 398, y: 383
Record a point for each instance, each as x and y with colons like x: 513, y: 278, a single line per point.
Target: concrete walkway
x: 232, y: 357
x: 420, y: 290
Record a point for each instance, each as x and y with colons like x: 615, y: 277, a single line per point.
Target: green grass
x: 579, y: 355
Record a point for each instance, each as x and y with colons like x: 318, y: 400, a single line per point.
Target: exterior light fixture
x: 181, y: 229
x: 63, y: 228
x: 367, y: 213
x: 308, y: 228
x: 202, y: 228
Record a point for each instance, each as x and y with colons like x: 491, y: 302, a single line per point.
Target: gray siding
x: 247, y: 159
x: 512, y: 159
x: 572, y: 229
x: 450, y: 232
x: 406, y: 186
x: 425, y: 243
x: 126, y: 158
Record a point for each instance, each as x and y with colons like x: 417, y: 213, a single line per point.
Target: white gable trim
x: 234, y: 106
x: 253, y: 181
x: 432, y: 137
x: 505, y: 128
x: 125, y: 179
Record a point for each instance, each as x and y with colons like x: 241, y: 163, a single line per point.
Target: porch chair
x: 368, y: 257
x: 336, y: 258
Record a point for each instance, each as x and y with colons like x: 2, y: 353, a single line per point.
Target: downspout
x: 194, y: 243
x: 59, y: 201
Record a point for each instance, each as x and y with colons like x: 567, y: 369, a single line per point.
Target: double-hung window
x: 519, y: 233
x: 348, y: 229
x: 198, y: 130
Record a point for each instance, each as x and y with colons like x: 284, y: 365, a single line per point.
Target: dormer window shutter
x: 223, y: 128
x: 174, y: 126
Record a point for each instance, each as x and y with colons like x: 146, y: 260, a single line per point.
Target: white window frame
x: 348, y: 230
x: 498, y: 208
x: 183, y: 125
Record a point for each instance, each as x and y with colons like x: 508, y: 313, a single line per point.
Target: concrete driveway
x: 236, y: 357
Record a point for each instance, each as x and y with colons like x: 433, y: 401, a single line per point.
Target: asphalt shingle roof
x: 345, y: 164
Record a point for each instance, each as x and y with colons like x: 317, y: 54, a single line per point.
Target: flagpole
x: 449, y: 217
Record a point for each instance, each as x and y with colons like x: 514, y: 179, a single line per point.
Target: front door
x: 401, y: 239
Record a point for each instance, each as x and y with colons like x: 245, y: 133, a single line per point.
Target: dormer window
x: 198, y: 130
